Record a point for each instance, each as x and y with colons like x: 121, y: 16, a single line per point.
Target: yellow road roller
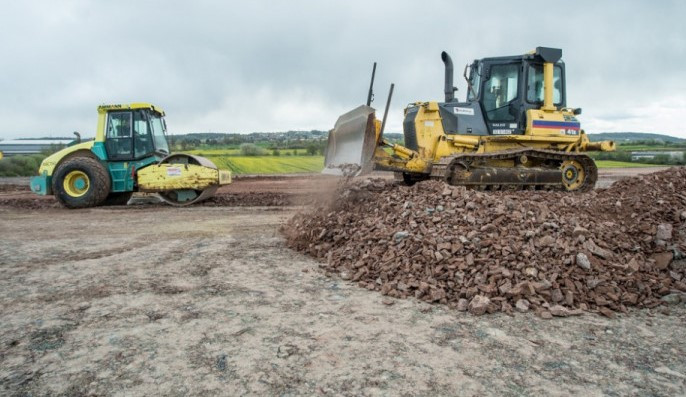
x: 129, y: 153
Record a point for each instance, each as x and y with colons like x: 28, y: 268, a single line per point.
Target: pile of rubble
x: 553, y: 253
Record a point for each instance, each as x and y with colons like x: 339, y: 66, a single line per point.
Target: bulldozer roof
x: 545, y: 54
x: 130, y: 106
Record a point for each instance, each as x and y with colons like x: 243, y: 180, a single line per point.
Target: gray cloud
x: 269, y: 66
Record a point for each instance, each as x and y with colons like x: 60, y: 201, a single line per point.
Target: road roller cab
x: 129, y: 153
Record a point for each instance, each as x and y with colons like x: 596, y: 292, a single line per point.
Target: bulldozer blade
x: 351, y: 144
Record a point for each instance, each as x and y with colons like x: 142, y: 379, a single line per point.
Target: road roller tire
x: 81, y: 182
x: 118, y: 198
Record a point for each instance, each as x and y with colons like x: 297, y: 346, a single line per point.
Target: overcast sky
x: 248, y: 66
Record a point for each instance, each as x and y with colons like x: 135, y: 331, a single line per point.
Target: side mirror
x: 577, y: 111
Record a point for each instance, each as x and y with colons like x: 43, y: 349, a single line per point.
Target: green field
x: 289, y: 161
x: 237, y: 152
x: 214, y: 152
x: 650, y: 148
x: 299, y: 164
x: 622, y: 164
x: 267, y: 164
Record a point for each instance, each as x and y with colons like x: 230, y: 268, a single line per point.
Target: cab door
x: 128, y: 144
x: 128, y: 136
x: 119, y: 137
x: 501, y: 98
x: 142, y: 136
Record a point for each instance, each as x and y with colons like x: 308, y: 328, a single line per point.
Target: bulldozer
x: 514, y: 131
x: 129, y: 153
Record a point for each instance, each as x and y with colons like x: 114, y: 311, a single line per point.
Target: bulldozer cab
x: 506, y: 87
x: 134, y: 134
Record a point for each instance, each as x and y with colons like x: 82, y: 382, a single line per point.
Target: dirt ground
x: 207, y: 300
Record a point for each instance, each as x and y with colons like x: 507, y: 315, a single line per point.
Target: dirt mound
x: 20, y: 196
x: 550, y: 252
x: 32, y: 201
x: 255, y: 199
x: 28, y: 201
x: 13, y: 188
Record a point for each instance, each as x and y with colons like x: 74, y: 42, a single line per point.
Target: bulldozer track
x: 442, y: 169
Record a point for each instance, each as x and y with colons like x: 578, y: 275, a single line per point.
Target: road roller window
x: 534, y: 87
x: 142, y: 140
x: 119, y: 143
x: 158, y: 132
x: 499, y: 91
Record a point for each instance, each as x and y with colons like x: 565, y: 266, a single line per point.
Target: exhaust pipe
x: 449, y: 89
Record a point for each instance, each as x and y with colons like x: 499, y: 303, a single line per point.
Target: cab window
x: 499, y: 91
x: 118, y: 140
x: 158, y: 132
x: 142, y: 139
x: 534, y: 87
x: 474, y: 82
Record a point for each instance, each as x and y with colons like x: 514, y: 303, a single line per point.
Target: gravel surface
x: 153, y: 300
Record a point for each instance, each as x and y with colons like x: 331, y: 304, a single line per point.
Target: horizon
x: 65, y: 137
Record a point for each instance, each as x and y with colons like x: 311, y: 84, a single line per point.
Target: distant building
x: 635, y: 156
x: 30, y: 146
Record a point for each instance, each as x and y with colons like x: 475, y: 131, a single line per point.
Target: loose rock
x: 672, y: 299
x: 662, y: 260
x: 548, y: 252
x: 582, y: 261
x: 522, y: 305
x: 664, y: 232
x: 559, y: 311
x: 479, y: 305
x: 398, y: 236
x: 580, y: 231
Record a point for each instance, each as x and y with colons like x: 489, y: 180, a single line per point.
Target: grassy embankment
x: 268, y: 164
x: 623, y: 164
x: 295, y: 161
